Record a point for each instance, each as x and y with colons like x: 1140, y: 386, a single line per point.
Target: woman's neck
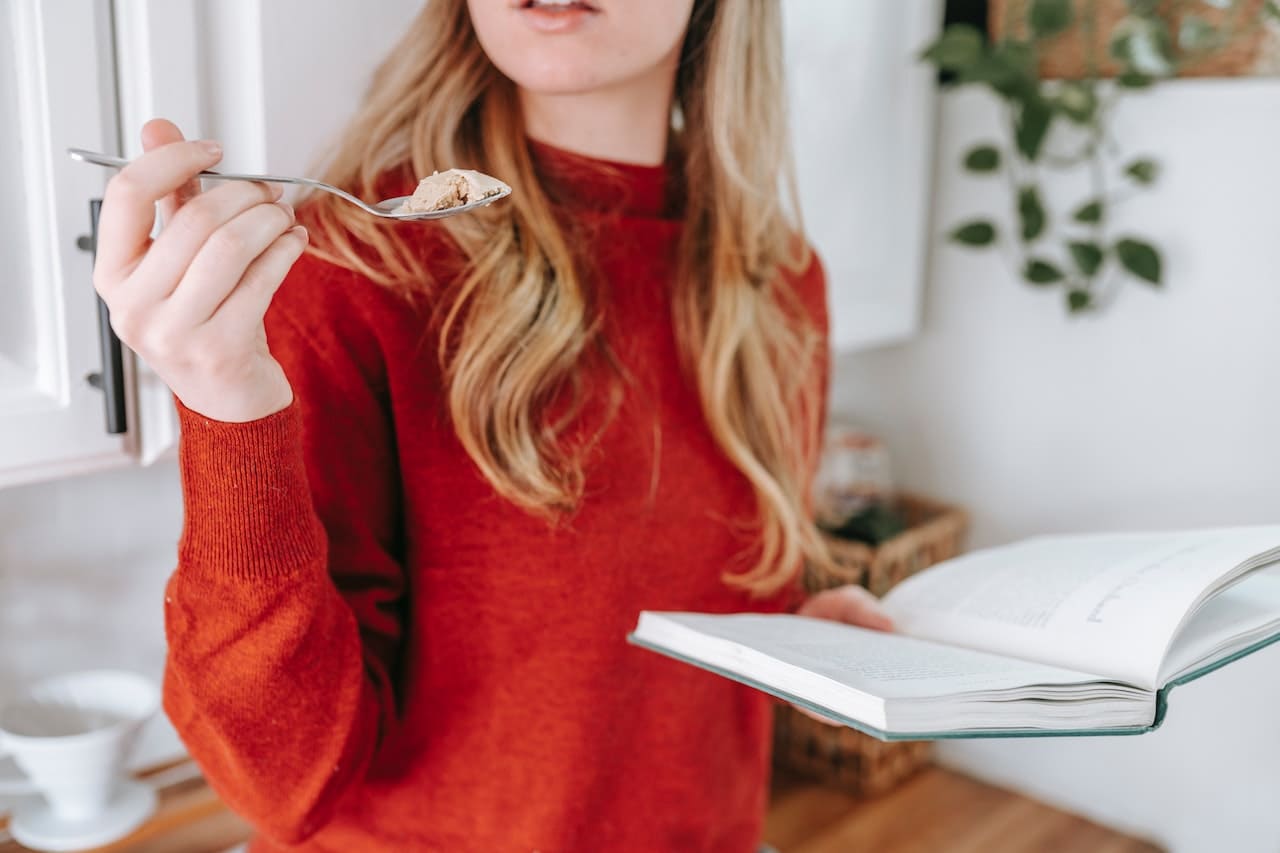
x: 627, y: 123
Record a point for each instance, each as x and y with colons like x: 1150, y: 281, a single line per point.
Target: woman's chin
x: 558, y: 77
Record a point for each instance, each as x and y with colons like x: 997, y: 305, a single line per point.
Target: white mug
x: 71, y: 736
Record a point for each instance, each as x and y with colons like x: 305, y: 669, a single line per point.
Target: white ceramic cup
x: 71, y: 735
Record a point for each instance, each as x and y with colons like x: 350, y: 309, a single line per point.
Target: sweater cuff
x: 248, y: 512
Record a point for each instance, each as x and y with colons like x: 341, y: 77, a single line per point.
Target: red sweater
x: 372, y: 651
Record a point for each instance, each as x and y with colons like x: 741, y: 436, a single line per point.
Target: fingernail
x: 300, y: 231
x: 213, y: 149
x: 286, y: 207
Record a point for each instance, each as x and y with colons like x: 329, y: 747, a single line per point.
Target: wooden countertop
x: 190, y: 818
x: 937, y: 811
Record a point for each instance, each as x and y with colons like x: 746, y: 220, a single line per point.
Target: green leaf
x: 1140, y: 258
x: 1041, y: 272
x: 1031, y: 212
x: 1049, y: 17
x: 1090, y: 212
x: 1195, y: 33
x: 959, y: 46
x: 1009, y: 68
x: 1143, y: 171
x: 1078, y: 101
x: 1079, y: 300
x: 1118, y: 46
x: 983, y: 158
x: 1087, y: 256
x: 976, y: 233
x: 1144, y: 45
x: 1033, y: 126
x: 1272, y: 9
x: 1133, y: 80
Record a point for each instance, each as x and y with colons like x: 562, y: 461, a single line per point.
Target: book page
x: 1108, y: 603
x: 885, y: 665
x: 1232, y: 620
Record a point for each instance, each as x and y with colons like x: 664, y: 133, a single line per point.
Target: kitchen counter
x: 964, y: 815
x: 190, y: 818
x: 936, y: 810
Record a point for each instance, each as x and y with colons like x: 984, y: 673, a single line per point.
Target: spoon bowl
x: 385, y: 209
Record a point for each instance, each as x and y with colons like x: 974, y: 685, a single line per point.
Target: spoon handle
x: 100, y: 159
x: 97, y: 157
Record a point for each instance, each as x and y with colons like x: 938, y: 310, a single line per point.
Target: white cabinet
x: 55, y: 72
x: 74, y: 73
x: 863, y: 110
x: 261, y: 77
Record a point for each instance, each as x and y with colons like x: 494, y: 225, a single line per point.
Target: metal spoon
x: 385, y: 208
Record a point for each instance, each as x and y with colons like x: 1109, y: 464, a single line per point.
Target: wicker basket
x: 840, y: 756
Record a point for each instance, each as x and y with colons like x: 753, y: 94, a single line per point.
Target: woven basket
x: 836, y: 755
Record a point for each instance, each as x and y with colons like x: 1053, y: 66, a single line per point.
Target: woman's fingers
x: 128, y: 207
x: 850, y: 604
x: 223, y: 261
x: 156, y: 133
x: 860, y: 607
x: 159, y: 273
x: 249, y: 301
x: 216, y: 245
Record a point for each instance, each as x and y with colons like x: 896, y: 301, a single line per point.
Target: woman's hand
x: 852, y: 605
x: 191, y: 302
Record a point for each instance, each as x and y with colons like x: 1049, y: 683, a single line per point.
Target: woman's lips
x: 550, y: 17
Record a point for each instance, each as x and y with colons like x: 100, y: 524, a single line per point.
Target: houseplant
x: 1063, y: 125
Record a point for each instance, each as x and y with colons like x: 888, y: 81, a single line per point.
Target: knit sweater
x: 371, y: 650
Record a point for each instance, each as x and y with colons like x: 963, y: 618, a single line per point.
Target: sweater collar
x: 578, y: 181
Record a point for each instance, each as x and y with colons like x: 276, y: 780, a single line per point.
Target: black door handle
x: 110, y: 379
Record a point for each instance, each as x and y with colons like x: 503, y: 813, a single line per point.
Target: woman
x: 429, y: 490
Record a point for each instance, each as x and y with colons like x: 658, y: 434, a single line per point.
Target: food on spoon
x: 451, y: 188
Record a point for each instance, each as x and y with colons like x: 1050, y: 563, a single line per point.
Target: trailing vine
x: 1075, y: 250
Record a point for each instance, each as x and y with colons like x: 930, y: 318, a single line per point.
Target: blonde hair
x: 519, y: 321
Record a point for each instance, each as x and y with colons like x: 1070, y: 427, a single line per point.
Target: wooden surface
x: 935, y: 811
x: 189, y: 819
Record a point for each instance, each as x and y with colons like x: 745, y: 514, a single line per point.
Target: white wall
x: 1163, y: 412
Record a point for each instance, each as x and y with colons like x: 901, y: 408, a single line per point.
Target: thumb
x: 159, y: 132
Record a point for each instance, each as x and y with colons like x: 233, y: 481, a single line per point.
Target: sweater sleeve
x: 283, y: 616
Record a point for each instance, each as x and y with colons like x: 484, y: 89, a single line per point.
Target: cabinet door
x: 862, y: 109
x: 56, y: 91
x: 157, y: 73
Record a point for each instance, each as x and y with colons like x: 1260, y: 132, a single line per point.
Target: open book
x: 1063, y: 635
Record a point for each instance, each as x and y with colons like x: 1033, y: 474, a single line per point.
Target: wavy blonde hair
x: 520, y: 320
